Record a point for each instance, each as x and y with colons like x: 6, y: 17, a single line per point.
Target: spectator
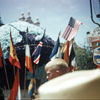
x: 55, y: 68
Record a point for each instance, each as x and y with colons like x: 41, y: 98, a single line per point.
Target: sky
x: 53, y: 15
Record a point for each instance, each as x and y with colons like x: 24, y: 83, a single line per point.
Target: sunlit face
x: 51, y: 74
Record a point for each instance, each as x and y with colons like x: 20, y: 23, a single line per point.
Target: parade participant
x: 55, y: 68
x: 76, y: 85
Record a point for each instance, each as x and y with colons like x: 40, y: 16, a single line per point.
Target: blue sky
x: 53, y: 15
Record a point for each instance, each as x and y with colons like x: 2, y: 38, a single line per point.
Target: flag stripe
x: 32, y: 87
x: 14, y: 91
x: 74, y: 30
x: 37, y: 60
x: 72, y: 55
x: 13, y: 55
x: 40, y: 44
x: 14, y: 62
x: 65, y: 32
x: 68, y: 33
x: 19, y: 93
x: 71, y: 29
x: 54, y: 54
x: 36, y: 53
x: 66, y: 52
x: 28, y: 62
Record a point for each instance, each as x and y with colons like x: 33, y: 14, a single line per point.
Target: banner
x: 94, y: 40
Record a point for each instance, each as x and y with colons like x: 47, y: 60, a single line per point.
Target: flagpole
x: 43, y: 76
x: 14, y: 71
x: 25, y: 66
x: 59, y: 33
x: 36, y: 56
x: 19, y: 89
x: 24, y: 81
x: 36, y: 66
x: 6, y: 74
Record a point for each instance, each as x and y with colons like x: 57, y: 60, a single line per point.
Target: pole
x: 24, y: 81
x: 6, y: 74
x: 25, y: 65
x: 35, y: 68
x: 14, y: 70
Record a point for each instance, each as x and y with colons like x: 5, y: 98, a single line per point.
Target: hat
x: 75, y: 85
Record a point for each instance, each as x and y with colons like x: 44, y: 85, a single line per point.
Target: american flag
x: 71, y: 29
x: 36, y: 53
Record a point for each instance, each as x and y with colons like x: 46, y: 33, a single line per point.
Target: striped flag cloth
x: 37, y: 53
x: 69, y: 54
x: 66, y: 52
x: 72, y: 62
x: 13, y: 59
x: 1, y: 55
x: 72, y: 56
x: 71, y: 29
x: 14, y: 92
x: 19, y: 93
x: 55, y: 50
x: 32, y: 85
x: 28, y: 62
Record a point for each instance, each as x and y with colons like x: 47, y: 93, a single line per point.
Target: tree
x: 84, y: 57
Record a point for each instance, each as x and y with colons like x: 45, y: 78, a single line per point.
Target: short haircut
x: 57, y: 64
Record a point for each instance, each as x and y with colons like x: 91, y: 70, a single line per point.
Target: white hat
x: 76, y: 85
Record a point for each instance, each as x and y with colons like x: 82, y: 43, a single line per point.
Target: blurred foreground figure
x: 1, y: 94
x: 76, y: 85
x: 55, y: 68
